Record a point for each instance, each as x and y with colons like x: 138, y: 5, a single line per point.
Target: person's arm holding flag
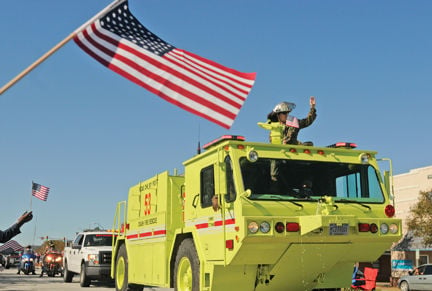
x: 12, y: 231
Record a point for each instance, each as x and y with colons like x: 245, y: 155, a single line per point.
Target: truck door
x: 75, y: 254
x: 208, y: 221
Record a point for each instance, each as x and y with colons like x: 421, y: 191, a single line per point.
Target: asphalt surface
x: 11, y: 281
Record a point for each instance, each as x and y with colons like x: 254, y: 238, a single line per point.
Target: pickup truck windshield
x: 99, y: 240
x: 283, y: 179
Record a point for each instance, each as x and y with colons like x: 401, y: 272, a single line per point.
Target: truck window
x: 230, y: 189
x: 78, y: 240
x: 280, y: 179
x: 207, y: 186
x: 99, y: 240
x: 351, y: 185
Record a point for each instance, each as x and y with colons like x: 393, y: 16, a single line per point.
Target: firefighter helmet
x: 284, y: 107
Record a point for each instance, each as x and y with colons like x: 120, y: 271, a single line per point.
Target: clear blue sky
x: 90, y: 134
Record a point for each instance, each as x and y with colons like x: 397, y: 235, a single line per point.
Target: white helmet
x: 284, y: 107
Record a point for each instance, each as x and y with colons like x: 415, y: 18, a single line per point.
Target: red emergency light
x: 349, y: 145
x: 223, y: 138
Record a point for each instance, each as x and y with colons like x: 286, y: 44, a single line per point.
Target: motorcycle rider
x: 28, y: 251
x: 49, y: 249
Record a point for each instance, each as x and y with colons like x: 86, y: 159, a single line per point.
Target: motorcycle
x: 52, y: 264
x: 27, y: 263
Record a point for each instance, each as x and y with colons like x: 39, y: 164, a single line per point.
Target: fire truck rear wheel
x: 186, y: 269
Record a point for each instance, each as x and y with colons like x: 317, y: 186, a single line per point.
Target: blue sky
x: 89, y: 134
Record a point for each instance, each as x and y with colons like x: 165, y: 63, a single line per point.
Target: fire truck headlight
x: 384, y: 228
x: 253, y: 227
x: 394, y: 228
x: 252, y: 156
x: 264, y: 227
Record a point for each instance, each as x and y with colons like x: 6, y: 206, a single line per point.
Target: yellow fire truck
x: 255, y: 216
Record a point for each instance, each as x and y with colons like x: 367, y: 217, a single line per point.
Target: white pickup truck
x: 90, y: 256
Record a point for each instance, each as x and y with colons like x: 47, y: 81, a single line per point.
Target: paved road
x: 11, y: 281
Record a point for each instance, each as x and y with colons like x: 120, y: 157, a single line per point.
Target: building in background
x: 410, y: 251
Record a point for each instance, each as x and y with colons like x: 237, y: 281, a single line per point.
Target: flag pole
x: 31, y: 196
x: 56, y: 47
x: 34, y: 233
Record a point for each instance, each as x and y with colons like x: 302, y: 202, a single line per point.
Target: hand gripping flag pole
x: 56, y: 47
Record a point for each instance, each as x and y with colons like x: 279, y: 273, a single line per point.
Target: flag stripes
x: 191, y: 82
x: 40, y: 191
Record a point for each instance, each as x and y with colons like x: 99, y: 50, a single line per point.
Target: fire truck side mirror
x: 195, y: 201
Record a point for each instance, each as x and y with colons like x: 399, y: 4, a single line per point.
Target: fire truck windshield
x: 282, y: 179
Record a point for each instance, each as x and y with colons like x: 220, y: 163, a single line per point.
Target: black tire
x: 84, y: 280
x: 186, y: 261
x: 121, y: 277
x: 404, y: 286
x: 67, y: 274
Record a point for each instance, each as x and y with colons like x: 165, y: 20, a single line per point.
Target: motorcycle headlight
x: 58, y: 259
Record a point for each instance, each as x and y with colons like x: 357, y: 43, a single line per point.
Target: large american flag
x: 40, y: 191
x: 205, y: 88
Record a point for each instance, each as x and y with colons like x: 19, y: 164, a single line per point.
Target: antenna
x: 199, y: 144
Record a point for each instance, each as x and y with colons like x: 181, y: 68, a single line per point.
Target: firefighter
x: 292, y: 125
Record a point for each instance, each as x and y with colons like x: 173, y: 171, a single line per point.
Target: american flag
x: 40, y: 191
x: 203, y: 87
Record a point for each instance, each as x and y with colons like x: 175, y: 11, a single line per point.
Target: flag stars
x: 125, y: 25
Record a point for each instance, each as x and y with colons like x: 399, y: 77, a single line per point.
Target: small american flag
x: 205, y: 88
x: 40, y: 191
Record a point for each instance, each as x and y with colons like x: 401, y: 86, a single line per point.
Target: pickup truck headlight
x: 93, y: 259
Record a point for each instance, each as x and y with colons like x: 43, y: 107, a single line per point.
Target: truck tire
x: 121, y: 270
x: 84, y: 280
x: 67, y: 277
x: 186, y: 268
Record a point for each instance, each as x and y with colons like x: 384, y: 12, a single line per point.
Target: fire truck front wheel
x: 186, y: 270
x: 121, y: 270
